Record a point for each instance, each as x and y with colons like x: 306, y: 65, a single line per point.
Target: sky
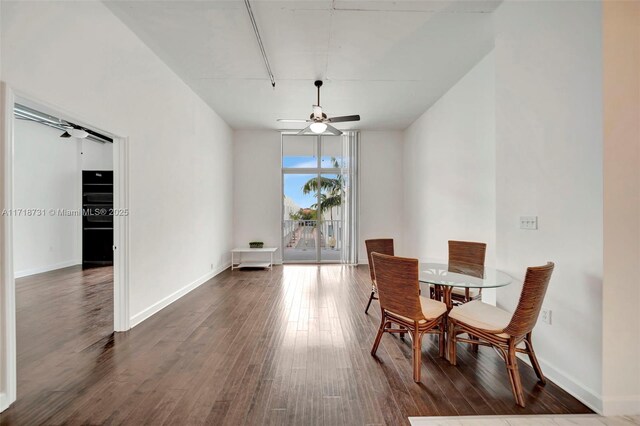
x: 293, y: 183
x: 293, y: 189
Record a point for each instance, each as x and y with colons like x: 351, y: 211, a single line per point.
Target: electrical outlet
x: 545, y: 315
x: 212, y: 266
x: 529, y: 222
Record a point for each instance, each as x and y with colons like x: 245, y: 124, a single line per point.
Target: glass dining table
x: 447, y: 276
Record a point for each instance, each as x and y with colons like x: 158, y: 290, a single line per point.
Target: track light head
x: 77, y: 132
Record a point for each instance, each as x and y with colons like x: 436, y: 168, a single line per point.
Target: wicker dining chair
x: 466, y: 253
x: 401, y: 303
x: 492, y: 326
x: 380, y: 245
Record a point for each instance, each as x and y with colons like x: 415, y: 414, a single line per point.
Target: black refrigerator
x: 97, y: 218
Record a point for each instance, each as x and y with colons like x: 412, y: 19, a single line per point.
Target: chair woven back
x: 381, y: 245
x: 398, y: 287
x: 533, y: 290
x: 467, y: 269
x: 467, y: 252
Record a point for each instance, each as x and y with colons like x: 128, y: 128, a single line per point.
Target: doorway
x: 318, y: 198
x: 65, y: 281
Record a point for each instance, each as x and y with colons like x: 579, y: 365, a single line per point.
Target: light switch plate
x: 529, y: 222
x: 545, y: 315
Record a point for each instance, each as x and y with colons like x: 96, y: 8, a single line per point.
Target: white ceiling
x: 385, y: 60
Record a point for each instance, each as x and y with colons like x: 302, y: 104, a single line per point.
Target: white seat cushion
x: 482, y: 315
x: 431, y: 309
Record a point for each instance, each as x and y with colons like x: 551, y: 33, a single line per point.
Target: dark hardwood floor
x: 288, y: 346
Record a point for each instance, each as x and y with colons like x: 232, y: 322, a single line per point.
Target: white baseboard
x: 163, y: 303
x: 626, y: 405
x: 578, y: 390
x: 4, y: 403
x: 48, y: 268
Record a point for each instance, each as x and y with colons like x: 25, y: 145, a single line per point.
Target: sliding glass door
x: 299, y: 224
x: 315, y: 178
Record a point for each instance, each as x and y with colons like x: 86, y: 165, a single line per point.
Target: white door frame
x: 8, y: 364
x: 121, y: 317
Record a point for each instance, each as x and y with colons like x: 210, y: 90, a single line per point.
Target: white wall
x: 180, y: 150
x: 96, y: 155
x: 256, y: 188
x: 381, y: 189
x: 48, y: 175
x: 257, y: 192
x: 621, y: 292
x: 549, y: 164
x: 449, y: 170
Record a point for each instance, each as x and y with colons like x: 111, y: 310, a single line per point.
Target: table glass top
x: 462, y: 275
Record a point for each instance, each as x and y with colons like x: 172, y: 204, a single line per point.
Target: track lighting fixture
x: 70, y: 129
x: 78, y: 133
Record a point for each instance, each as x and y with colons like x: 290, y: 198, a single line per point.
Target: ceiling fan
x: 319, y: 120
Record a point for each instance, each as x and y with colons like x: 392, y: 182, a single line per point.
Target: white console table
x: 252, y: 263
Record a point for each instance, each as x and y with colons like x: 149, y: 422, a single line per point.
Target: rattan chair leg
x: 511, y: 380
x: 474, y: 347
x: 514, y: 375
x: 371, y: 299
x: 441, y: 339
x: 452, y: 343
x: 534, y: 359
x: 376, y: 342
x: 417, y: 355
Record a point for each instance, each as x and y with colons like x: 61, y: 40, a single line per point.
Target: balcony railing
x: 307, y: 234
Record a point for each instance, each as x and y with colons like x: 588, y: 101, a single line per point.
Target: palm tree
x: 326, y: 184
x: 331, y: 190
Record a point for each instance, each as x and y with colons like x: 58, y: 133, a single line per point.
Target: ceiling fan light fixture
x: 318, y: 127
x: 319, y: 119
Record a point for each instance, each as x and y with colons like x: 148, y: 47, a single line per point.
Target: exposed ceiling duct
x: 70, y: 129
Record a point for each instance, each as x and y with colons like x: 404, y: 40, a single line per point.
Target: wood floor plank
x: 287, y: 346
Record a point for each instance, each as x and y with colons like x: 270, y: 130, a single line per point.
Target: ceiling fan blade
x: 333, y: 130
x: 287, y: 120
x: 303, y: 131
x: 343, y: 118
